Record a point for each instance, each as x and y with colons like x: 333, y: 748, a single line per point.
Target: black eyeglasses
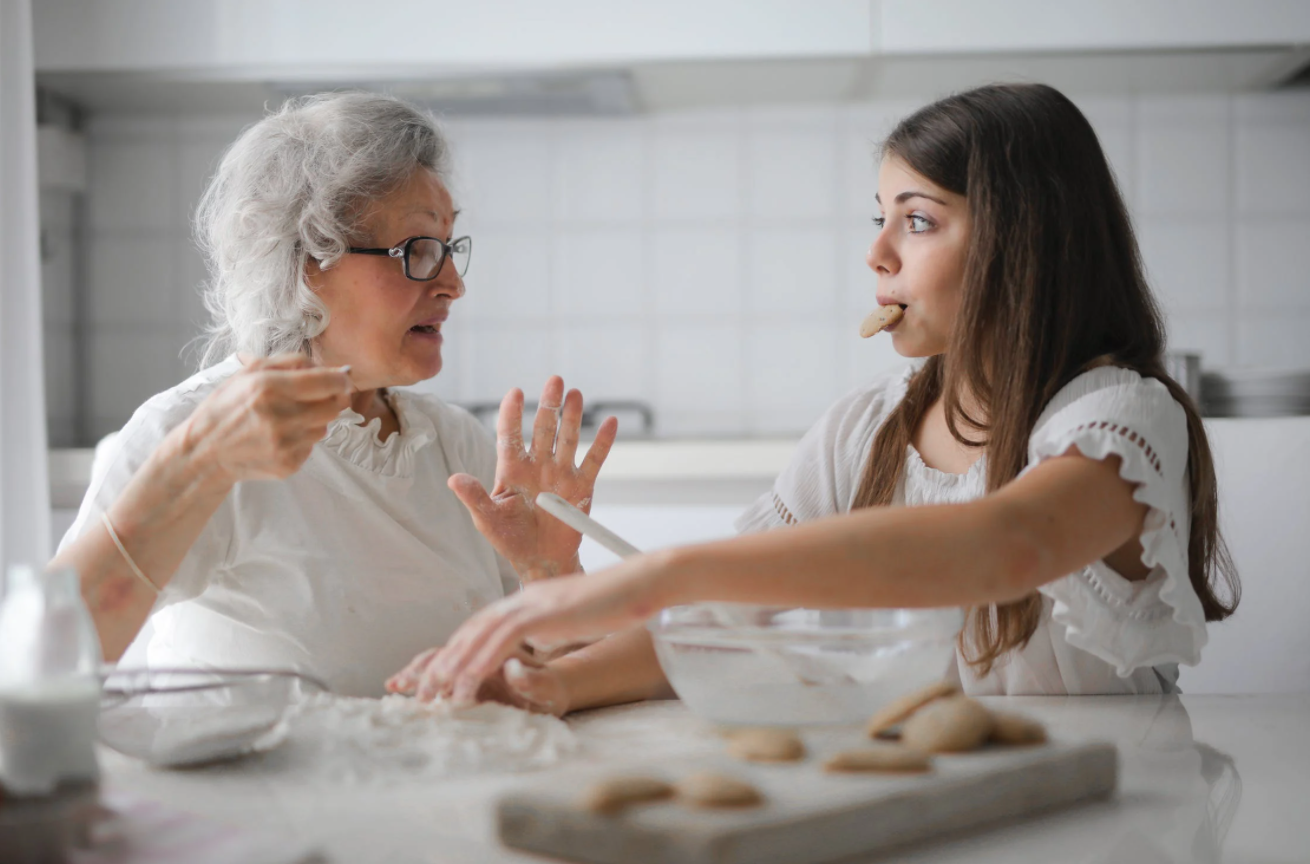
x: 424, y: 256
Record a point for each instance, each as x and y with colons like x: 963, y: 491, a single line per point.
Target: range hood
x: 682, y: 85
x: 600, y: 92
x: 598, y: 57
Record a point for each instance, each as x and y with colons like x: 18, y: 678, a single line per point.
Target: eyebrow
x: 911, y: 193
x: 433, y: 213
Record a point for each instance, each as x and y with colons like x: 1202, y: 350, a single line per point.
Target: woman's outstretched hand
x: 555, y: 611
x: 536, y: 543
x: 523, y: 681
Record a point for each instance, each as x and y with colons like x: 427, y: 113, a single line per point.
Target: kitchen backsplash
x: 711, y: 263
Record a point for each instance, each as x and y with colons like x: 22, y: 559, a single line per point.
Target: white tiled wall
x: 711, y: 262
x: 59, y: 311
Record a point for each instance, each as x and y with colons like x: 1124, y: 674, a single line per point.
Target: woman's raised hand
x: 536, y: 543
x: 263, y: 422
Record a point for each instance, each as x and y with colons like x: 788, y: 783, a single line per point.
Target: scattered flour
x: 358, y: 740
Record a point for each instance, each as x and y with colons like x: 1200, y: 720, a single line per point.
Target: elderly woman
x: 286, y: 507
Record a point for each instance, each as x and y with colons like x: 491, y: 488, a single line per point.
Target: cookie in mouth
x: 880, y: 319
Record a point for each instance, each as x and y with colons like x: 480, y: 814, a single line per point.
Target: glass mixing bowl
x: 738, y: 664
x: 180, y: 717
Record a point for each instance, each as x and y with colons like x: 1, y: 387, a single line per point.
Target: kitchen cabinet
x: 250, y: 40
x: 1013, y: 26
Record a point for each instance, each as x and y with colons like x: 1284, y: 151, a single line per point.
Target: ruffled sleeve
x: 824, y: 473
x: 1158, y: 620
x: 117, y: 461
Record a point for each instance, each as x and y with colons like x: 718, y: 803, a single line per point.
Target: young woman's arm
x: 1061, y: 516
x: 1057, y: 518
x: 617, y: 669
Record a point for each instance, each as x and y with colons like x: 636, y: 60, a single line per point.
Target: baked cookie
x: 951, y: 725
x: 1016, y: 729
x: 614, y: 794
x: 880, y: 319
x: 898, y: 710
x: 766, y: 745
x: 890, y: 758
x: 707, y: 789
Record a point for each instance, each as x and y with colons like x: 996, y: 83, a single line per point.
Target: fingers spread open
x: 566, y: 445
x: 600, y: 449
x: 545, y: 424
x: 472, y: 494
x: 509, y: 426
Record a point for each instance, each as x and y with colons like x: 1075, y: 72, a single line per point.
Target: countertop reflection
x: 1202, y: 779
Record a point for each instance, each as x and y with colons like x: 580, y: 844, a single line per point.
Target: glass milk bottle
x: 49, y: 682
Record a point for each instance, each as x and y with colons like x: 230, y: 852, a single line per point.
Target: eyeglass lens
x: 425, y: 256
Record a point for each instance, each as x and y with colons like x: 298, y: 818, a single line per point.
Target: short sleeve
x: 824, y: 472
x: 1158, y: 620
x: 118, y: 459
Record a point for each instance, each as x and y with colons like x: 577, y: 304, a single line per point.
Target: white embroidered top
x: 1099, y: 633
x: 346, y: 569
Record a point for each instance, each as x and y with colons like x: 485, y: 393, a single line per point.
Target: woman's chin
x: 417, y: 369
x: 904, y: 347
x: 907, y: 345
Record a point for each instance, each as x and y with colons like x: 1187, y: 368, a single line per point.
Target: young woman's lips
x: 904, y: 308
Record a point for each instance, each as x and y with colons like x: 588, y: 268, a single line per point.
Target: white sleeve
x: 824, y: 473
x: 1158, y: 620
x: 114, y: 468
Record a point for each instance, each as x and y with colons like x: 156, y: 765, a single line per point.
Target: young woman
x: 1040, y: 468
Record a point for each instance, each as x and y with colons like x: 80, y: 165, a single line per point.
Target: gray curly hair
x: 292, y: 187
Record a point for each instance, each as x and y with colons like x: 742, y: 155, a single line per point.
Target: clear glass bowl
x: 179, y: 717
x: 750, y: 665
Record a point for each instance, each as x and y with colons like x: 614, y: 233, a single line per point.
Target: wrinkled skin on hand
x: 263, y: 422
x: 536, y: 543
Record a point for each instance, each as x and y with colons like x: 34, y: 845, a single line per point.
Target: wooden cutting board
x: 808, y: 815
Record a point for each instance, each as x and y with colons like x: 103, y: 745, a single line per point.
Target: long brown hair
x: 1053, y: 286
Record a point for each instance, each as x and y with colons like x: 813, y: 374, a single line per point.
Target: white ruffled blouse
x: 346, y: 569
x: 1099, y: 632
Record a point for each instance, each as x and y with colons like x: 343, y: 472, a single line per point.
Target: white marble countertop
x: 1202, y: 778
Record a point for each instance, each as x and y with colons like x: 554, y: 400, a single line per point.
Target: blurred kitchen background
x: 669, y: 202
x: 684, y: 226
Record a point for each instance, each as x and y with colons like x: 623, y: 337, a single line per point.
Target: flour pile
x: 349, y: 739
